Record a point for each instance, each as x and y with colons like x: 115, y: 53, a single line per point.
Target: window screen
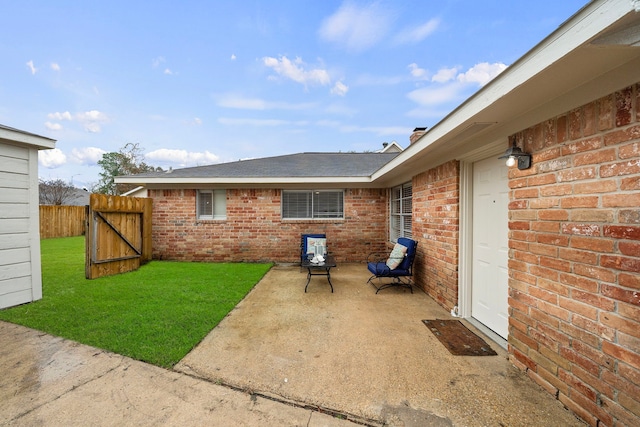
x: 310, y: 204
x: 401, y: 211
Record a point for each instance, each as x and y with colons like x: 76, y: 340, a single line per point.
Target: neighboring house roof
x: 80, y: 197
x: 594, y: 53
x: 292, y: 168
x: 13, y: 135
x: 390, y: 147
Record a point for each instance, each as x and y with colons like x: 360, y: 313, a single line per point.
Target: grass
x: 156, y: 314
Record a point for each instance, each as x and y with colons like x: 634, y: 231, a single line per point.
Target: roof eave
x: 15, y: 135
x: 246, y: 182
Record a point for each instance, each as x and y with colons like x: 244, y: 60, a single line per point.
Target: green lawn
x: 156, y: 314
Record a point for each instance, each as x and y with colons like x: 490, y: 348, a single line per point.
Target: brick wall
x: 435, y: 227
x: 254, y: 230
x: 575, y: 259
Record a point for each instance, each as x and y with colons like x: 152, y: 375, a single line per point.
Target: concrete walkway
x: 282, y: 357
x: 49, y: 381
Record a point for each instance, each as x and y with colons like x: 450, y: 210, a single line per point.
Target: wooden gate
x: 118, y: 237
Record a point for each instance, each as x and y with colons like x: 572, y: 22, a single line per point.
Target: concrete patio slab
x: 366, y: 356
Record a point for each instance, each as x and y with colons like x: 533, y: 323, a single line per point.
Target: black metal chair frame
x: 402, y: 276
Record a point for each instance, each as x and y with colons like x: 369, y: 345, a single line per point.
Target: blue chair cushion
x: 382, y: 269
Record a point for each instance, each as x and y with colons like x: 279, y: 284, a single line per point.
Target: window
x: 401, y: 211
x: 212, y: 204
x: 309, y: 204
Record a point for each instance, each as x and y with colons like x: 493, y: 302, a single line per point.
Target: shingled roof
x: 301, y: 165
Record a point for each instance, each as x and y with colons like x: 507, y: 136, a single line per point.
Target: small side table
x: 319, y: 269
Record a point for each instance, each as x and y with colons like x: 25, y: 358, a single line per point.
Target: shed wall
x: 20, y: 280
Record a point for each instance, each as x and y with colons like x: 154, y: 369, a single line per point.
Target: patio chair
x: 313, y: 244
x: 397, y: 267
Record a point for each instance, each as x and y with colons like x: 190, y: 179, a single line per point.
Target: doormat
x: 458, y: 339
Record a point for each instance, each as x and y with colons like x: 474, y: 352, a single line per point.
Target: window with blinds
x: 400, y: 212
x: 312, y: 204
x: 212, y: 204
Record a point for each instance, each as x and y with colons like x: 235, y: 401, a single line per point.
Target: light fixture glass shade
x: 515, y: 155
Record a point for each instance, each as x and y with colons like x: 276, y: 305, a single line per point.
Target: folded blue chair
x: 397, y: 267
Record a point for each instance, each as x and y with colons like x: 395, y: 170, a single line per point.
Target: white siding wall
x: 20, y: 272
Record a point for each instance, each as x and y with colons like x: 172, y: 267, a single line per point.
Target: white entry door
x: 489, y: 282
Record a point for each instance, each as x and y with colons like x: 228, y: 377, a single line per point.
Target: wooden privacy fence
x: 62, y: 221
x: 118, y: 237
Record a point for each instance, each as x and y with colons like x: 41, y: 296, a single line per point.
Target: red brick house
x: 544, y: 258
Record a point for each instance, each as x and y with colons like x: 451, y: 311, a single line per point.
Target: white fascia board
x: 240, y: 181
x: 18, y: 136
x: 577, y: 31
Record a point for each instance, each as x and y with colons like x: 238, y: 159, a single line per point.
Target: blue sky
x: 201, y: 82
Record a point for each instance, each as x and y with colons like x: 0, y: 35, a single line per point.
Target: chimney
x: 417, y: 134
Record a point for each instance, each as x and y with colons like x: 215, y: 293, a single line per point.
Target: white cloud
x: 233, y: 57
x: 435, y: 95
x: 233, y: 101
x: 55, y: 66
x: 357, y: 27
x: 32, y: 68
x: 53, y: 126
x: 87, y: 155
x: 258, y: 122
x: 92, y: 120
x: 295, y: 70
x: 445, y: 75
x: 417, y: 72
x: 183, y: 158
x: 449, y: 87
x: 341, y: 110
x: 52, y: 159
x: 168, y: 72
x: 328, y: 123
x: 60, y: 116
x: 339, y: 89
x: 242, y: 103
x: 378, y: 130
x: 482, y: 73
x: 419, y: 33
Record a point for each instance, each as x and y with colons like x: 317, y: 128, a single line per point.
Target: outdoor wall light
x: 516, y: 155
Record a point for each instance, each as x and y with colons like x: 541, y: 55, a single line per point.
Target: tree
x: 55, y: 192
x: 128, y: 161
